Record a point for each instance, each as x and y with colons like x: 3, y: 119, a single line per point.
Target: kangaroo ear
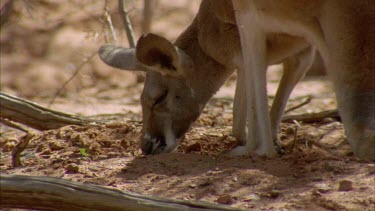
x: 123, y: 58
x: 159, y: 54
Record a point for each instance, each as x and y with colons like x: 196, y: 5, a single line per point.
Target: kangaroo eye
x: 161, y: 98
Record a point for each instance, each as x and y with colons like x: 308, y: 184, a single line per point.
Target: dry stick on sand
x: 49, y: 193
x: 14, y: 125
x: 14, y: 109
x: 36, y: 116
x: 312, y: 117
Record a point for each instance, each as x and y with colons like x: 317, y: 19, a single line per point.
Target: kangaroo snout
x: 153, y: 145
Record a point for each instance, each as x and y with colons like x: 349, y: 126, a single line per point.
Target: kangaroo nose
x: 146, y: 146
x: 149, y: 145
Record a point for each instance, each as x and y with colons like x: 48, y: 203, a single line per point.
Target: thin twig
x: 109, y: 21
x: 17, y: 150
x: 28, y: 7
x: 126, y: 22
x: 312, y: 117
x: 297, y: 123
x: 147, y: 15
x: 129, y: 33
x: 14, y: 125
x: 307, y: 101
x: 294, y: 143
x: 86, y: 60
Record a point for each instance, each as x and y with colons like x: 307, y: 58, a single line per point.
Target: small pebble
x: 56, y: 146
x: 345, y: 185
x: 225, y: 199
x: 114, y: 124
x: 72, y: 168
x: 322, y: 188
x: 327, y: 120
x: 193, y: 185
x: 252, y: 197
x: 274, y: 193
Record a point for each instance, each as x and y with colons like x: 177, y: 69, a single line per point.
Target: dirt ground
x: 45, y: 42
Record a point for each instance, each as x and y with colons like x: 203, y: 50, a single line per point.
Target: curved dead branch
x: 49, y: 193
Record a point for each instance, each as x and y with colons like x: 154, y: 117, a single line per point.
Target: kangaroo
x: 249, y: 35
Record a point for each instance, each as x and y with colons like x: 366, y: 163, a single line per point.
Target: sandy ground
x: 44, y: 43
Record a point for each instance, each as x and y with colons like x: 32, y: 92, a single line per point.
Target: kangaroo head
x: 169, y: 100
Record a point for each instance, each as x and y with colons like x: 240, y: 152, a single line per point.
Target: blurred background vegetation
x: 44, y: 42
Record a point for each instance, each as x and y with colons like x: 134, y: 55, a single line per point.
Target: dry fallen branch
x: 36, y: 116
x: 14, y: 125
x: 14, y: 109
x: 49, y: 193
x: 313, y: 117
x: 41, y: 118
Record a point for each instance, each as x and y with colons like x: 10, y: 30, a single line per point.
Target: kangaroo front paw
x: 237, y: 152
x: 244, y: 151
x: 279, y: 148
x: 269, y: 152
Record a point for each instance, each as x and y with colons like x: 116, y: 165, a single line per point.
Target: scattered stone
x: 274, y: 193
x: 106, y: 143
x: 125, y: 143
x: 45, y: 156
x: 327, y: 120
x: 72, y: 168
x: 193, y: 185
x: 94, y: 168
x: 205, y: 183
x: 112, y: 154
x: 102, y: 157
x: 89, y: 174
x: 225, y: 199
x: 56, y: 146
x: 114, y: 125
x: 322, y: 188
x: 9, y: 145
x: 317, y: 178
x: 345, y: 185
x: 252, y: 197
x: 46, y: 152
x: 371, y: 172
